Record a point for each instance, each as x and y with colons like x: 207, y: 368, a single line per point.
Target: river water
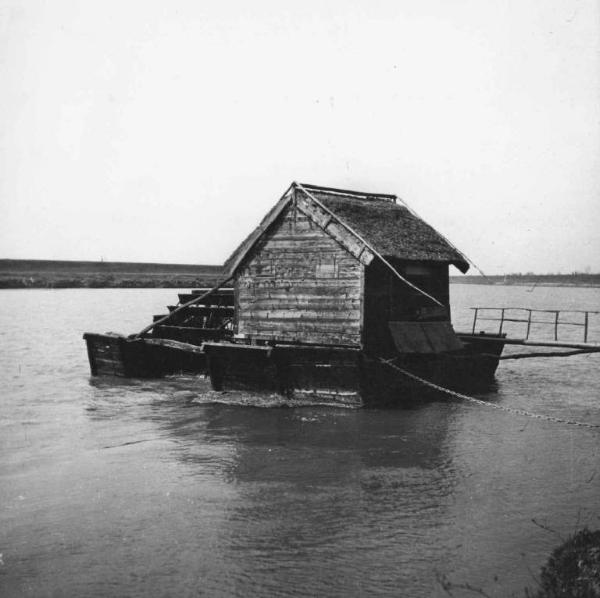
x: 151, y: 488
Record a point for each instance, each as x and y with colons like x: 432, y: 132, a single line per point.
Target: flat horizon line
x: 17, y: 261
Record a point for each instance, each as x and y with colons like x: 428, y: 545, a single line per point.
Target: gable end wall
x: 300, y: 284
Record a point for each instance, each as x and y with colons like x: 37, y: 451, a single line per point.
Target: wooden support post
x: 475, y: 319
x: 501, y: 323
x: 528, y: 324
x: 585, y: 327
x: 556, y: 313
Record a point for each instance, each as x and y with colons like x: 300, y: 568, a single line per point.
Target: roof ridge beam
x: 334, y: 190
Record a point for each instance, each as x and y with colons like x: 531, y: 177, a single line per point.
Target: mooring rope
x: 459, y: 395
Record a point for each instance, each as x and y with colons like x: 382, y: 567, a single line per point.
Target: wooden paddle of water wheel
x: 171, y: 344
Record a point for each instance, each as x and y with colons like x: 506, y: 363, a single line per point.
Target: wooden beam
x: 334, y: 190
x: 171, y: 344
x: 592, y: 347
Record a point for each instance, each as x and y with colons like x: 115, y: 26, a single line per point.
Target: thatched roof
x: 391, y: 229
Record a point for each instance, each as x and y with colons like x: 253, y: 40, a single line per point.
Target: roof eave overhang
x: 461, y: 265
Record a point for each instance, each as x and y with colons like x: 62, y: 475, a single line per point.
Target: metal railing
x: 528, y: 316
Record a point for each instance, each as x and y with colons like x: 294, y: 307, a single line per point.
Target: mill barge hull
x: 339, y: 375
x: 117, y: 355
x: 349, y: 376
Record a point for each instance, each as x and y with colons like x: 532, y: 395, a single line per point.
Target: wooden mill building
x: 335, y: 267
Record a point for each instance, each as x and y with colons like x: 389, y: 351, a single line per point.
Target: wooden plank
x: 223, y: 300
x: 303, y: 301
x: 281, y: 279
x: 349, y: 269
x: 297, y: 271
x: 298, y: 238
x: 278, y: 245
x: 322, y: 305
x: 521, y: 341
x: 361, y: 319
x: 108, y: 367
x: 236, y: 296
x: 270, y: 260
x: 307, y: 250
x: 342, y: 315
x: 345, y: 238
x: 241, y: 367
x: 288, y: 325
x: 367, y: 256
x: 305, y: 331
x: 319, y: 302
x: 197, y: 299
x: 189, y: 334
x: 333, y: 304
x: 364, y: 195
x: 303, y: 286
x: 202, y: 311
x: 312, y: 210
x: 172, y: 344
x: 313, y: 336
x: 222, y: 292
x: 336, y: 230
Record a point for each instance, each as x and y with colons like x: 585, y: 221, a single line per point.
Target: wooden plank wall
x: 298, y: 283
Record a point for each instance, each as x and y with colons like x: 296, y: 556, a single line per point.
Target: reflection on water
x: 163, y: 487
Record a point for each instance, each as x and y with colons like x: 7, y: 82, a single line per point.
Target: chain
x: 512, y: 410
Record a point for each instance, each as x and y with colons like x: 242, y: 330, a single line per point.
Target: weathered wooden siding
x: 298, y: 283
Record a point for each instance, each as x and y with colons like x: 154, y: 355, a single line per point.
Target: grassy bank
x: 571, y: 571
x: 49, y: 274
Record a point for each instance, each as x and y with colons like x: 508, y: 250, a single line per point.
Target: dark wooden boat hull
x: 348, y: 375
x: 342, y: 375
x: 297, y: 372
x: 115, y: 355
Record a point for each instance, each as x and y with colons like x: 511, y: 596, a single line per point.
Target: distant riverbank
x: 50, y: 274
x: 533, y: 280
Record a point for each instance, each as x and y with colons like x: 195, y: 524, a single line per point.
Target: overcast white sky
x: 147, y: 130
